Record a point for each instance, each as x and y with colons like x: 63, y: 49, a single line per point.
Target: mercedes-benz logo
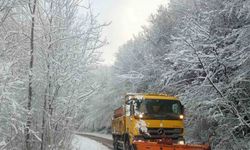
x: 161, y: 131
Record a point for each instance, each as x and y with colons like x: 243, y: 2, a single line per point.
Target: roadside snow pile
x: 82, y: 143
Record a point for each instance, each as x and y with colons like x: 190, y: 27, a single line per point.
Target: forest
x: 52, y: 81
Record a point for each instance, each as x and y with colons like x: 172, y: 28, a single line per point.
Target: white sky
x: 127, y: 17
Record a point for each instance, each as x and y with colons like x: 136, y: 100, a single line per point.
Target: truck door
x: 129, y: 112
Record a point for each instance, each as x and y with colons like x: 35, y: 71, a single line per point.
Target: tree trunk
x: 29, y: 106
x: 47, y: 94
x: 44, y: 120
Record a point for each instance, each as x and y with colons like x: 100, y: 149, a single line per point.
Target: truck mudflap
x: 145, y: 145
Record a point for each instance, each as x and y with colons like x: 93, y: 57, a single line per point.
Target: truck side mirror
x: 132, y: 108
x: 127, y: 110
x: 182, y: 109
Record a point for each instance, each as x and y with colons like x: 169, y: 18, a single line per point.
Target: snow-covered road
x: 83, y: 143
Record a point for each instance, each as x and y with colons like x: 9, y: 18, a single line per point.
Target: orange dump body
x: 144, y: 145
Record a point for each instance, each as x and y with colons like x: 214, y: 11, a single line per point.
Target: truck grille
x: 173, y: 133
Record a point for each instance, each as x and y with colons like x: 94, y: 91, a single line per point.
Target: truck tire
x: 133, y: 147
x: 128, y: 146
x: 115, y: 143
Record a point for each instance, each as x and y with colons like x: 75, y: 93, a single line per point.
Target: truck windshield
x: 158, y: 109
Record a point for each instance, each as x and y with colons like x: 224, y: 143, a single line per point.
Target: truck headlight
x: 181, y: 116
x: 181, y: 142
x: 140, y: 115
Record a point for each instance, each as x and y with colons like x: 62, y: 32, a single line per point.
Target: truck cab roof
x: 151, y: 96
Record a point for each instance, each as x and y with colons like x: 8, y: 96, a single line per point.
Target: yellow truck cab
x: 147, y: 117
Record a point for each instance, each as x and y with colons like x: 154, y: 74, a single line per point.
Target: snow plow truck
x: 150, y: 122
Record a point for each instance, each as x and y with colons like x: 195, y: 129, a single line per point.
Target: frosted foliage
x: 196, y: 49
x: 199, y: 50
x: 65, y: 44
x: 99, y: 112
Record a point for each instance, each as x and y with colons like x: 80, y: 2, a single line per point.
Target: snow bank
x: 83, y: 143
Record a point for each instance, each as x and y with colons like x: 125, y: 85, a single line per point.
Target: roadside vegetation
x: 198, y: 50
x: 52, y: 83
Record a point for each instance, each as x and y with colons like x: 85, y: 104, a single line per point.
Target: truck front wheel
x: 128, y: 146
x: 115, y: 143
x: 132, y: 147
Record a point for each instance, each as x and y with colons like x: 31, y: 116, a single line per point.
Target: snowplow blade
x: 157, y: 146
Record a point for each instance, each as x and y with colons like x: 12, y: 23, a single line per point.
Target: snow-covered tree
x: 199, y: 50
x: 48, y: 49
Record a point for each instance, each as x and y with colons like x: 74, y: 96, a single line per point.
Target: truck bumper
x: 156, y: 146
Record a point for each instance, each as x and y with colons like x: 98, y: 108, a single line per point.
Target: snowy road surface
x: 106, y: 136
x: 83, y: 143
